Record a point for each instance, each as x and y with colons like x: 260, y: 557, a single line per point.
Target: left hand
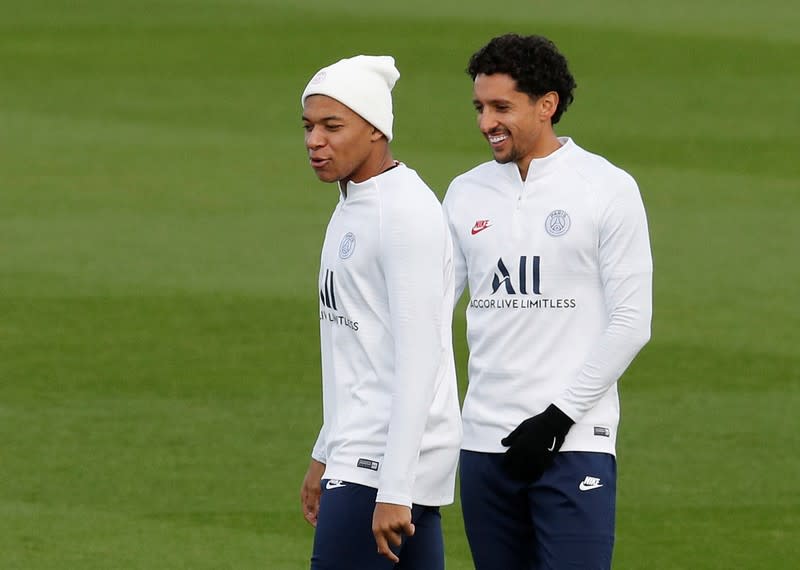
x: 533, y: 445
x: 389, y: 524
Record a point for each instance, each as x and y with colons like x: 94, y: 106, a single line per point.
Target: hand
x: 389, y: 524
x: 533, y: 445
x: 311, y: 491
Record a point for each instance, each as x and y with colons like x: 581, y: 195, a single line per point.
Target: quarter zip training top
x: 390, y: 399
x: 560, y: 277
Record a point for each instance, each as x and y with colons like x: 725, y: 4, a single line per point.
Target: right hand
x: 311, y: 490
x: 390, y: 523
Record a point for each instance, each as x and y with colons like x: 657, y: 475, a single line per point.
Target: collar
x: 541, y: 167
x: 355, y: 188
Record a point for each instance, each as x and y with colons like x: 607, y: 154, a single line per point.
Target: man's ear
x: 376, y: 135
x: 548, y: 104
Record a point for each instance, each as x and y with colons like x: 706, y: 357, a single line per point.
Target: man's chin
x: 326, y: 176
x: 502, y: 158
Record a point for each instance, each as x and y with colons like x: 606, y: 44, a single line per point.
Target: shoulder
x: 404, y: 193
x: 411, y: 218
x: 465, y: 185
x: 613, y: 193
x: 604, y: 182
x: 402, y: 185
x: 601, y: 173
x: 477, y: 175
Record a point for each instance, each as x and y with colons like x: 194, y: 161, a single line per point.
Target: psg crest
x: 557, y: 223
x: 347, y: 246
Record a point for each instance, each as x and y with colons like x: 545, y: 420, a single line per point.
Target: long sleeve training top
x: 390, y: 400
x: 560, y: 277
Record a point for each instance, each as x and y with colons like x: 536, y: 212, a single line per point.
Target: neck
x: 377, y: 162
x: 545, y: 146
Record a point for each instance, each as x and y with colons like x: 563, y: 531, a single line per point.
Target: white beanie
x: 363, y: 83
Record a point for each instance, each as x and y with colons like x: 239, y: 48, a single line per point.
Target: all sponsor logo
x: 329, y: 310
x: 527, y: 277
x: 327, y: 293
x: 518, y: 285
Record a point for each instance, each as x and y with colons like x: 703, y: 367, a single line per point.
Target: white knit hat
x: 363, y: 83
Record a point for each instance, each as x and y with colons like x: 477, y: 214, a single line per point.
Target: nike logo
x: 480, y: 225
x: 334, y: 484
x: 552, y: 445
x: 590, y: 483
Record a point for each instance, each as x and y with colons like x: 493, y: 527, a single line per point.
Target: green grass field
x: 159, y: 245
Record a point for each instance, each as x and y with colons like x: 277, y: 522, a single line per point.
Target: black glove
x: 533, y: 445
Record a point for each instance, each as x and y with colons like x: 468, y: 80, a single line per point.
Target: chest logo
x: 480, y: 225
x: 557, y: 223
x: 347, y: 246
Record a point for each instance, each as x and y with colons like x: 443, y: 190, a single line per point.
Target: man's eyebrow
x: 325, y: 119
x: 499, y: 101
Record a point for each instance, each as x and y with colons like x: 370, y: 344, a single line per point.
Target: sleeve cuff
x: 393, y: 499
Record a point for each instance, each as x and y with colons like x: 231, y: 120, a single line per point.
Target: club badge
x: 557, y: 223
x: 347, y: 246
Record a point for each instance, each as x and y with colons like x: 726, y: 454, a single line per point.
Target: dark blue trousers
x: 563, y: 520
x: 344, y: 541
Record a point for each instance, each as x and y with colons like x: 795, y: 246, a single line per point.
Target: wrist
x: 560, y: 421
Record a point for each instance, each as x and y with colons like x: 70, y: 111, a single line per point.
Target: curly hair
x: 534, y: 62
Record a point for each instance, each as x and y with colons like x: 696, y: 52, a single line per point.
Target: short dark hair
x: 534, y: 62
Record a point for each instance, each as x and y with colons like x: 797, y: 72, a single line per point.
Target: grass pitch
x: 159, y: 241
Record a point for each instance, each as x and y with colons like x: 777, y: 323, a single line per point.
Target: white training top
x: 560, y: 280
x: 390, y: 399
